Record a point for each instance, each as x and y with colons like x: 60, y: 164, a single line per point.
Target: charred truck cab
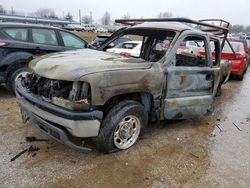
x: 86, y: 95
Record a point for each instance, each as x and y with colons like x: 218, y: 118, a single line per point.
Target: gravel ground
x: 202, y: 152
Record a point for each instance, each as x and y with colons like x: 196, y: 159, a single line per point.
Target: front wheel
x: 122, y: 127
x: 13, y: 75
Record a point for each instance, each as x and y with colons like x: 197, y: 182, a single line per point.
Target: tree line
x: 105, y: 19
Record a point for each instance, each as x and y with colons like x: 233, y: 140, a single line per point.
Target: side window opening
x: 215, y: 50
x: 44, y: 36
x: 17, y: 33
x: 189, y: 52
x: 154, y: 43
x: 72, y: 41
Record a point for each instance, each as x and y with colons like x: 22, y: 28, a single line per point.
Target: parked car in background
x: 100, y: 39
x: 20, y: 43
x: 191, y: 47
x: 246, y: 43
x: 101, y: 30
x: 74, y: 27
x: 239, y: 60
x: 130, y: 49
x: 88, y: 27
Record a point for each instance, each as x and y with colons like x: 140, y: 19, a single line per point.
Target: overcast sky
x: 234, y: 11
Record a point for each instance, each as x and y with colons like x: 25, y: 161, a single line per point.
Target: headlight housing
x: 79, y: 97
x: 75, y: 96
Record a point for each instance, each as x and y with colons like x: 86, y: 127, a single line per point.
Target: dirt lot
x: 202, y: 152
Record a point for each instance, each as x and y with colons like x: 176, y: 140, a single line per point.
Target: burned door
x: 190, y: 78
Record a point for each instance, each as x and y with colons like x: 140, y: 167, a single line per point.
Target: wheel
x: 13, y: 75
x: 122, y: 127
x: 240, y: 77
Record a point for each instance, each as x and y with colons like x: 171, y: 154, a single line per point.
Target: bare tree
x: 247, y: 29
x: 126, y: 16
x: 2, y: 10
x: 106, y: 19
x: 45, y: 13
x: 86, y: 20
x: 68, y: 17
x: 237, y: 28
x: 165, y: 15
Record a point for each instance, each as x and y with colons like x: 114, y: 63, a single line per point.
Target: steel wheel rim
x: 23, y: 74
x: 127, y: 132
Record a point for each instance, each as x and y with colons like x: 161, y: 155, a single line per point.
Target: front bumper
x: 56, y: 121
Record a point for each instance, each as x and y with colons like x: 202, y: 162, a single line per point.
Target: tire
x: 117, y: 132
x: 240, y: 77
x: 13, y: 76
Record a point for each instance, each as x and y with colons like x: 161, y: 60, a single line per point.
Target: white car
x: 129, y: 48
x: 191, y: 47
x: 88, y: 27
x: 101, y: 30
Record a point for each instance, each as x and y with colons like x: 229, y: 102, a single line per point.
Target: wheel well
x: 14, y: 66
x: 146, y: 99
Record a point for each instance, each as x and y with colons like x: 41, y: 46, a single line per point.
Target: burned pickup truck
x: 83, y: 96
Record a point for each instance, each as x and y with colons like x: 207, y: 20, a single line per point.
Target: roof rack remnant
x: 207, y: 25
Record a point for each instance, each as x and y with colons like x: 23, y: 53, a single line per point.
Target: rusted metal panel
x: 186, y: 107
x: 189, y: 81
x: 105, y: 85
x: 71, y: 65
x: 189, y: 92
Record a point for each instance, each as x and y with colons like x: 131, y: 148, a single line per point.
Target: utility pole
x: 80, y: 16
x: 90, y: 17
x: 12, y: 10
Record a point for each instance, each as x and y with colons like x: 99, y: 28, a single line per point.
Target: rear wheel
x: 13, y: 75
x: 122, y: 127
x: 240, y: 77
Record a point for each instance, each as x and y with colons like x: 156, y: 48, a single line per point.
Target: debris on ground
x: 34, y: 139
x: 237, y: 127
x: 219, y: 127
x: 212, y: 135
x: 194, y: 155
x: 30, y: 149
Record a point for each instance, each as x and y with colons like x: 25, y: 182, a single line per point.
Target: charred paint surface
x: 72, y: 65
x: 113, y: 83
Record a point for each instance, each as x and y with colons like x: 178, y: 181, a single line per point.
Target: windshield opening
x: 152, y: 43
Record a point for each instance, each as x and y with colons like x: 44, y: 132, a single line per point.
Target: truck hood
x: 71, y: 65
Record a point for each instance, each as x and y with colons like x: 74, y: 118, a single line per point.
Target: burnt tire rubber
x: 105, y: 141
x: 13, y: 76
